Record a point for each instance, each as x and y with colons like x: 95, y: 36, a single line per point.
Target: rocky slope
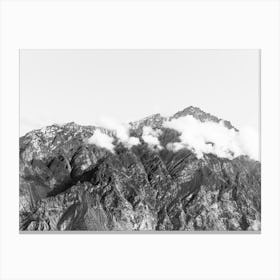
x: 66, y: 183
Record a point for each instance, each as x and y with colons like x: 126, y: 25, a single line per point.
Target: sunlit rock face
x: 68, y: 183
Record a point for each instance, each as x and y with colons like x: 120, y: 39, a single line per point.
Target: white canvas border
x: 130, y: 25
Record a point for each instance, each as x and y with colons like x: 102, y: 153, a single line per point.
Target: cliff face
x: 68, y: 184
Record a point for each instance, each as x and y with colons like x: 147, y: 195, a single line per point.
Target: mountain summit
x: 157, y: 120
x: 201, y: 115
x: 145, y: 176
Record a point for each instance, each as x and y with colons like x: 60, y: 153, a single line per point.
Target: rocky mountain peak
x: 67, y: 183
x: 154, y: 121
x: 199, y: 114
x: 157, y: 120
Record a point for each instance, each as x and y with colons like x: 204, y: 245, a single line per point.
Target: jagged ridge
x: 68, y: 184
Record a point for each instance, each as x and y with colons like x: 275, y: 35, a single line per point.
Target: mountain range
x: 68, y: 181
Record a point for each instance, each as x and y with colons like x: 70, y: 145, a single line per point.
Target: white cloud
x: 102, y: 140
x: 249, y: 141
x: 211, y: 137
x: 132, y: 141
x: 150, y: 136
x: 120, y: 129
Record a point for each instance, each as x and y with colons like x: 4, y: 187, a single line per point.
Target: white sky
x: 59, y: 86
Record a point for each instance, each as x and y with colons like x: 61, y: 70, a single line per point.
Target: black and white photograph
x: 140, y: 140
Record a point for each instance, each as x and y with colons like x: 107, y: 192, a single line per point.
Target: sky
x: 84, y: 86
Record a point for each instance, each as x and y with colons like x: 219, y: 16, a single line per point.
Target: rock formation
x: 67, y: 183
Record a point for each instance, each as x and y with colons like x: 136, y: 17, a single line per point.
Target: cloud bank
x: 200, y: 137
x: 215, y: 138
x: 102, y: 140
x: 121, y: 131
x: 150, y: 136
